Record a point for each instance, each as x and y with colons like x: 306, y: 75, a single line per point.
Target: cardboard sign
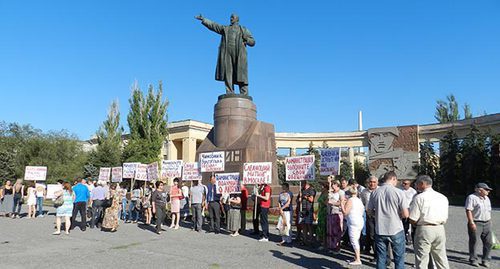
x: 191, y: 171
x: 212, y: 161
x: 116, y: 174
x: 141, y: 172
x: 52, y: 189
x: 227, y: 183
x: 153, y: 171
x: 257, y: 173
x: 35, y: 173
x: 171, y: 168
x: 104, y: 173
x: 129, y: 170
x: 329, y: 161
x: 300, y: 168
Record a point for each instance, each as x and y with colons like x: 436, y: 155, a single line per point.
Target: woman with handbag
x: 64, y: 204
x: 110, y: 221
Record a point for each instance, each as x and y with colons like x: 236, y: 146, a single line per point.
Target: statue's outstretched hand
x: 199, y: 17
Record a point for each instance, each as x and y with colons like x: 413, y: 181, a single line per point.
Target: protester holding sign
x: 243, y: 211
x: 135, y: 204
x: 284, y: 221
x: 264, y: 197
x: 234, y: 217
x: 213, y: 206
x: 306, y: 198
x: 175, y: 203
x: 40, y: 196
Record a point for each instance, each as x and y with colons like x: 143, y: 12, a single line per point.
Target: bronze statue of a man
x: 232, y: 59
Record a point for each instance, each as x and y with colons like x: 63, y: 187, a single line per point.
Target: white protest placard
x: 153, y: 171
x: 129, y: 170
x: 257, y: 173
x: 329, y: 161
x: 141, y: 172
x: 212, y: 161
x: 227, y: 183
x: 116, y: 174
x: 104, y: 173
x: 52, y: 189
x: 35, y: 173
x: 191, y: 171
x: 171, y: 168
x: 300, y: 168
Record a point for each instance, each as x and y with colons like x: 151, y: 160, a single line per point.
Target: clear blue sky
x: 314, y: 66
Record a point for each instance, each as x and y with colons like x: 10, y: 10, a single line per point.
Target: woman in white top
x: 31, y: 201
x: 354, y: 209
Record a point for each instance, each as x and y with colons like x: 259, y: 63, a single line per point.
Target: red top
x: 174, y: 190
x: 244, y: 197
x: 265, y: 204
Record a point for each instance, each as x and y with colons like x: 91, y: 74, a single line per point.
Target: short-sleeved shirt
x: 479, y: 206
x: 82, y: 193
x: 283, y: 198
x: 365, y: 196
x: 266, y: 204
x: 197, y: 194
x: 306, y: 205
x: 159, y: 198
x: 388, y: 202
x: 136, y: 194
x: 334, y: 197
x: 429, y: 207
x: 409, y: 193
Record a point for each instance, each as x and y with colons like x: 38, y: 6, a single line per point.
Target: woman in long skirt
x: 234, y: 216
x: 110, y: 221
x: 7, y: 199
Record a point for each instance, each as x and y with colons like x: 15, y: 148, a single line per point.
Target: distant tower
x: 360, y: 120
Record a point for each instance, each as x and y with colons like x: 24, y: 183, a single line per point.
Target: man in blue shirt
x: 213, y: 205
x: 82, y: 195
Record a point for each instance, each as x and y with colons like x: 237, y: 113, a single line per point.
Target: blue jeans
x: 133, y: 213
x: 39, y: 203
x: 17, y: 204
x: 397, y: 242
x: 124, y: 209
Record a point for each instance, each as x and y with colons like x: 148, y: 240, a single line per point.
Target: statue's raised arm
x: 232, y: 60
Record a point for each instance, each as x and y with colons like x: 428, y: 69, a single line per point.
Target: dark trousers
x: 17, y: 203
x: 96, y: 213
x: 483, y: 232
x: 370, y: 235
x: 82, y: 208
x: 406, y: 226
x: 214, y: 213
x: 197, y: 217
x: 243, y: 213
x: 256, y: 221
x: 161, y: 213
x: 264, y: 223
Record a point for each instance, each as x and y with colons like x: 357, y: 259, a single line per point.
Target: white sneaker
x: 263, y: 239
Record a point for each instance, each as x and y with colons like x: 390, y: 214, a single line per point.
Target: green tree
x: 475, y: 159
x: 467, y: 111
x: 346, y: 169
x: 494, y: 173
x: 447, y: 111
x: 429, y: 163
x: 147, y: 122
x: 449, y: 163
x: 109, y: 138
x: 361, y: 172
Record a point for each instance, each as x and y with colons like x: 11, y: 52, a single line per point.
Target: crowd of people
x: 376, y: 219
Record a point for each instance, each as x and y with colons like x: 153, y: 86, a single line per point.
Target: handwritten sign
x: 129, y: 170
x: 257, y: 173
x: 141, y: 172
x: 152, y: 171
x: 104, y: 173
x: 35, y: 173
x: 116, y: 174
x: 171, y: 168
x: 52, y: 189
x: 300, y: 168
x: 191, y: 171
x: 227, y: 183
x: 329, y: 161
x: 212, y: 161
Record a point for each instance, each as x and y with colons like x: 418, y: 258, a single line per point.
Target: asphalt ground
x: 29, y: 243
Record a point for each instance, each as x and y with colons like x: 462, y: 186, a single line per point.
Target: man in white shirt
x: 478, y: 211
x: 429, y: 212
x: 409, y: 193
x: 372, y: 184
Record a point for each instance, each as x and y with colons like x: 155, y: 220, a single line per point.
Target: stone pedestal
x: 240, y: 135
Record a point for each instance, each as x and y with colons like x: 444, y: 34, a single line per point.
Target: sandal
x: 56, y: 233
